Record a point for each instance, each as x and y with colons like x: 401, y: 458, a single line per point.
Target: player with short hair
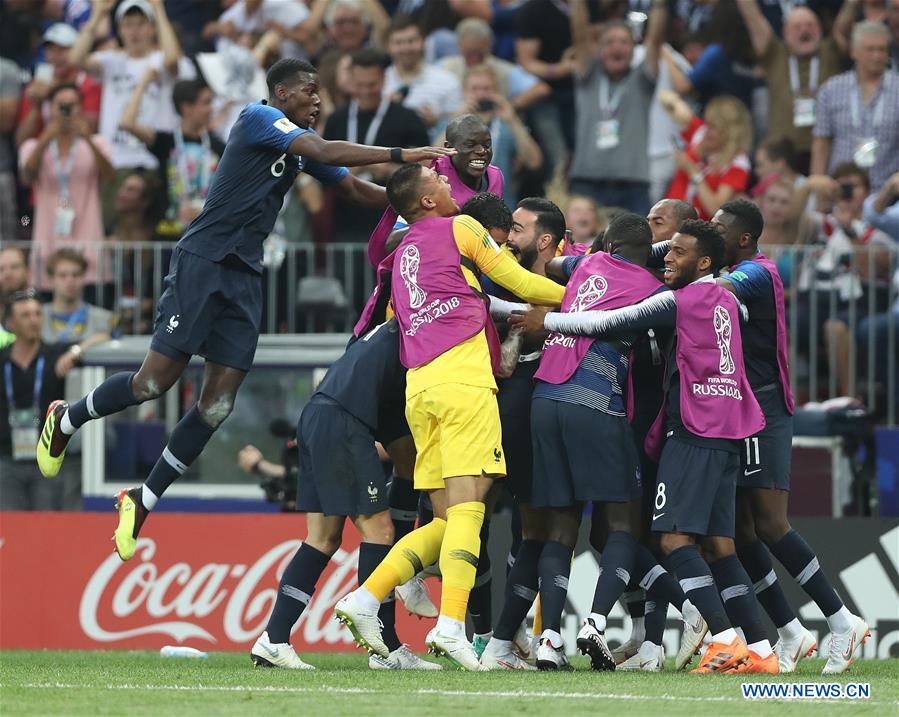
x: 763, y: 485
x: 709, y: 407
x: 212, y: 303
x: 451, y: 350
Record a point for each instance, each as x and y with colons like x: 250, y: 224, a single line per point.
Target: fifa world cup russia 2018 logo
x: 410, y: 260
x: 722, y: 334
x: 588, y: 293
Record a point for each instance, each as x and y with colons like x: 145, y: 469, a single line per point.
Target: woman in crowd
x: 714, y: 167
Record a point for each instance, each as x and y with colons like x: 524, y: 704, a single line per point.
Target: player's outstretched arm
x: 531, y: 287
x: 350, y: 154
x: 360, y: 191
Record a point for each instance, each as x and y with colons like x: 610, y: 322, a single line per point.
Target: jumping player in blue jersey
x: 212, y: 303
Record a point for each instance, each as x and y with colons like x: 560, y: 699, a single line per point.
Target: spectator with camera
x: 58, y: 69
x: 849, y: 260
x: 513, y: 146
x: 187, y: 156
x: 64, y: 167
x: 140, y: 25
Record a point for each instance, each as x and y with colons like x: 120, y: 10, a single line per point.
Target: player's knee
x: 147, y: 388
x: 771, y: 528
x: 669, y: 542
x: 377, y: 529
x: 216, y: 411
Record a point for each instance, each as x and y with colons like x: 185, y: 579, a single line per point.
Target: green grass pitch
x: 143, y: 683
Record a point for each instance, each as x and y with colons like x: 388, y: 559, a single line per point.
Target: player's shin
x: 458, y: 561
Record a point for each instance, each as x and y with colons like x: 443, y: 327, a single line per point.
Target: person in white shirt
x: 429, y: 90
x: 252, y: 17
x: 139, y: 24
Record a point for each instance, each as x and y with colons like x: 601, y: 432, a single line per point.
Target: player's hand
x: 530, y: 320
x: 249, y: 458
x: 104, y: 7
x: 421, y: 153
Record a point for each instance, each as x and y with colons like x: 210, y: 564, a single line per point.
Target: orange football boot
x: 719, y: 657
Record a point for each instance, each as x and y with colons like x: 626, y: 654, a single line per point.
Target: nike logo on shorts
x: 656, y: 517
x: 749, y: 473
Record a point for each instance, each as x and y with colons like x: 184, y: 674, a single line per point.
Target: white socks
x: 147, y: 497
x: 727, y: 636
x: 65, y: 425
x: 840, y: 621
x: 449, y: 626
x: 599, y: 621
x: 366, y: 600
x: 762, y: 648
x: 555, y: 639
x: 791, y: 631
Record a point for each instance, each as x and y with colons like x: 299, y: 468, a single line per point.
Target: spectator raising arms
x: 715, y: 166
x: 613, y: 98
x: 138, y: 23
x: 64, y: 166
x: 34, y: 110
x: 796, y: 67
x: 187, y: 157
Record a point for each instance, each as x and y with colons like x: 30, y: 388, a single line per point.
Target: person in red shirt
x: 34, y: 109
x: 715, y: 166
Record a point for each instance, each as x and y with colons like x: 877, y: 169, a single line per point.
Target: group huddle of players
x: 645, y: 375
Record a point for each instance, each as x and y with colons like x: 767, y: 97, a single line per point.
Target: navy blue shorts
x: 696, y: 490
x: 580, y: 455
x: 514, y: 400
x: 340, y: 472
x: 392, y: 424
x: 210, y: 309
x: 766, y: 457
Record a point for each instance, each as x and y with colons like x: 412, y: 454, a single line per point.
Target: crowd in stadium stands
x: 114, y: 113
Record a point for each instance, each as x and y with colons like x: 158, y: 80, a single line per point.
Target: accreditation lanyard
x: 608, y: 105
x: 38, y: 384
x: 813, y: 69
x: 63, y: 169
x: 203, y: 169
x: 877, y: 115
x: 352, y: 122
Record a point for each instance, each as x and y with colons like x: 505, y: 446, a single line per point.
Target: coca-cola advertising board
x: 204, y: 580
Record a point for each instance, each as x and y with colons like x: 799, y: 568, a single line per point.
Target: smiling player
x: 212, y: 304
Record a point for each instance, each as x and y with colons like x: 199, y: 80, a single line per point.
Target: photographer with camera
x: 64, y: 166
x: 277, y: 480
x: 513, y: 146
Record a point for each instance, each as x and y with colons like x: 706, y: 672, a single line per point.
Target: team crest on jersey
x: 410, y: 260
x: 285, y: 125
x: 588, y: 293
x: 723, y: 331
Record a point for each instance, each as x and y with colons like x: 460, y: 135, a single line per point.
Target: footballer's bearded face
x: 300, y: 101
x: 683, y: 262
x: 523, y: 238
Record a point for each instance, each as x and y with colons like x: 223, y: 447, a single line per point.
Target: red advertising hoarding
x: 204, y: 580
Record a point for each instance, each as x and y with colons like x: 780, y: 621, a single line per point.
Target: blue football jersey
x: 254, y: 175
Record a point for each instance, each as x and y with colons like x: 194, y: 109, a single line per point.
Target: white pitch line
x: 501, y: 694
